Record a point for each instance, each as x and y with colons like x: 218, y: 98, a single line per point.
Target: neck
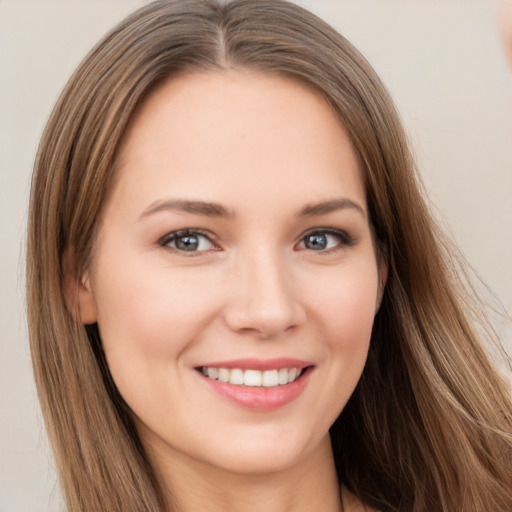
x: 307, y: 486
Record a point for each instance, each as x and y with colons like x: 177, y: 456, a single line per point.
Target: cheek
x: 148, y: 318
x: 342, y: 312
x: 346, y: 305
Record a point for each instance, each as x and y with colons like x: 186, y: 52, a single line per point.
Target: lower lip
x: 261, y: 398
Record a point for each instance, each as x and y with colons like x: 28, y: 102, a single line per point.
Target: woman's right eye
x: 188, y: 240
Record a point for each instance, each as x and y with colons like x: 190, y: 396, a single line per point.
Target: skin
x: 264, y: 148
x: 506, y: 27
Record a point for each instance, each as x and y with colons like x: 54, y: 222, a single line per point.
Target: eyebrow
x: 326, y: 207
x: 188, y: 206
x: 210, y: 209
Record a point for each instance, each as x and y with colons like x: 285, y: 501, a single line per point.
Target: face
x: 234, y: 279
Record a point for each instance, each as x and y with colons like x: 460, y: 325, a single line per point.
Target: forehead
x: 218, y: 132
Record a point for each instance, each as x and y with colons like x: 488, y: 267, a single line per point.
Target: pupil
x: 187, y: 242
x: 316, y: 242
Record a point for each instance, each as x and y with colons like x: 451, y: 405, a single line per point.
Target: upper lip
x: 260, y: 364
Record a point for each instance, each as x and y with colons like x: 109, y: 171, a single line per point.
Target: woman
x: 237, y: 297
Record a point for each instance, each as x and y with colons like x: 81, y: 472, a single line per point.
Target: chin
x: 263, y: 452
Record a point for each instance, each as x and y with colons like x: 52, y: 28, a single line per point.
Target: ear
x: 77, y: 290
x: 383, y: 277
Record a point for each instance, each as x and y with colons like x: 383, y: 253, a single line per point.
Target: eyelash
x: 345, y: 240
x: 182, y: 233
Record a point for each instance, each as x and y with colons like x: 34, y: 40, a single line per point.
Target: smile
x: 252, y: 377
x: 258, y: 384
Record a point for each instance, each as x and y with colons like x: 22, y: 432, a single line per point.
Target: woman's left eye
x: 188, y: 240
x: 324, y: 240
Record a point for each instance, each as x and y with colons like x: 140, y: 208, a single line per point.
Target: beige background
x: 441, y: 59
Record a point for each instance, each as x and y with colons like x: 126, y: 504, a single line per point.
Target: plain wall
x: 443, y: 63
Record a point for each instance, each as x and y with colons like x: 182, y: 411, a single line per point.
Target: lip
x: 262, y: 399
x: 260, y: 364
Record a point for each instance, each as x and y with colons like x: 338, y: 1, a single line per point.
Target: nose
x: 264, y: 302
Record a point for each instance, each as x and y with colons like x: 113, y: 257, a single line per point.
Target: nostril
x: 262, y: 322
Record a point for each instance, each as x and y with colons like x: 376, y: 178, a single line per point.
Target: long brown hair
x: 429, y: 426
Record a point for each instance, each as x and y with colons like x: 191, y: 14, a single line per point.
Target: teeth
x: 253, y: 378
x: 282, y: 376
x: 213, y: 373
x: 270, y: 378
x: 236, y: 376
x: 223, y: 374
